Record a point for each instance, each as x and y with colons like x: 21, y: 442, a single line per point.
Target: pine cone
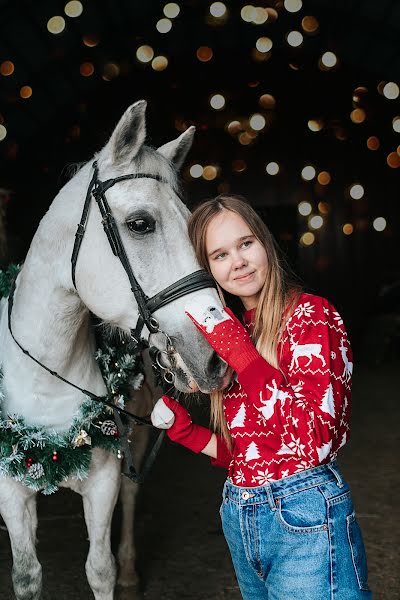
x: 36, y: 471
x: 109, y: 428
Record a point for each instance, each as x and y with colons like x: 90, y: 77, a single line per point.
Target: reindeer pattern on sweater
x: 283, y: 421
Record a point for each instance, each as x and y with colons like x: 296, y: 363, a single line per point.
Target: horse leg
x: 18, y: 509
x: 99, y: 493
x: 126, y: 549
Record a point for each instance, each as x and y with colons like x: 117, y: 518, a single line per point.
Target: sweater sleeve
x: 224, y: 455
x: 306, y: 403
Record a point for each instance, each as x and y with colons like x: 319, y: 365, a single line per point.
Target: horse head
x: 152, y: 223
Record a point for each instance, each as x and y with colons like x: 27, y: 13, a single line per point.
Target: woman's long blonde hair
x: 278, y: 295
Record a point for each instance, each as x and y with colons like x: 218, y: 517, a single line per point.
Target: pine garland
x: 42, y: 459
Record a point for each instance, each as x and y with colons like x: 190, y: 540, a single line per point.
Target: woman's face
x: 238, y: 261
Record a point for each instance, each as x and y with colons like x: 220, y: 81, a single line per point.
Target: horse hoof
x: 131, y: 592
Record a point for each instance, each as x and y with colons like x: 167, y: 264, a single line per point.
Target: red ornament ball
x: 55, y: 456
x: 29, y: 462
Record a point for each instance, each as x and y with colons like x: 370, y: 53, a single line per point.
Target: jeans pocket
x: 303, y: 512
x: 357, y: 551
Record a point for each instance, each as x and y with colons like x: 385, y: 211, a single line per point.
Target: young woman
x: 286, y: 513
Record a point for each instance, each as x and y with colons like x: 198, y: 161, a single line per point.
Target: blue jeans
x: 296, y: 538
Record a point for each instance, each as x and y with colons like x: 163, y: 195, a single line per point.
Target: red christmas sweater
x: 288, y: 420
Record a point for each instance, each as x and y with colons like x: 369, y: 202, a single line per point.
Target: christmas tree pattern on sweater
x: 283, y: 421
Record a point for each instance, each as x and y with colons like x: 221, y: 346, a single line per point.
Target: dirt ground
x: 181, y: 549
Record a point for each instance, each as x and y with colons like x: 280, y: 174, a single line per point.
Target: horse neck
x: 52, y: 323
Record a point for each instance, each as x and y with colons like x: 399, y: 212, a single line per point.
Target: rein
x: 146, y: 307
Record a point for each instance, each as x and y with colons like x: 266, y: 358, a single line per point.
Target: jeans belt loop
x: 338, y: 478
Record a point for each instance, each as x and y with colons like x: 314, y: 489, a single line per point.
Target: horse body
x: 51, y: 319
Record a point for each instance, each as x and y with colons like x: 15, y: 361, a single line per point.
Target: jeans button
x: 245, y: 495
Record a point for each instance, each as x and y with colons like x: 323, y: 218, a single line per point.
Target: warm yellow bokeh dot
x: 7, y: 68
x: 145, y: 54
x: 393, y: 160
x: 86, y: 69
x: 239, y: 165
x: 308, y: 173
x: 373, y: 143
x: 391, y: 90
x: 264, y: 44
x: 73, y: 9
x: 396, y: 124
x: 294, y: 39
x: 358, y: 115
x: 307, y: 239
x: 323, y: 207
x: 304, y: 208
x: 25, y: 92
x: 324, y: 178
x: 267, y: 101
x: 159, y: 63
x: 329, y: 60
x: 91, y: 40
x: 171, y: 10
x: 217, y: 101
x: 315, y: 222
x: 315, y: 124
x: 3, y: 132
x: 272, y: 168
x: 217, y: 9
x: 210, y: 172
x: 348, y: 228
x: 257, y: 122
x: 293, y: 5
x: 356, y: 191
x: 196, y: 171
x: 204, y: 53
x: 379, y: 224
x: 56, y: 25
x: 310, y: 24
x: 234, y: 127
x: 164, y: 25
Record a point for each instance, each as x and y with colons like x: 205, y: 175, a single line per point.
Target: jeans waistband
x: 283, y: 487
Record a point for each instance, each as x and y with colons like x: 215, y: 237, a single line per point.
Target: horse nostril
x: 214, y: 364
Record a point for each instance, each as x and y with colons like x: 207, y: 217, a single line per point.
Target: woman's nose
x: 238, y: 261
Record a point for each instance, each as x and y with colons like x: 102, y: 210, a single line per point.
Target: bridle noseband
x: 146, y: 306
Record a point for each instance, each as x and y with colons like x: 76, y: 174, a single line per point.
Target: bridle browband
x: 146, y: 306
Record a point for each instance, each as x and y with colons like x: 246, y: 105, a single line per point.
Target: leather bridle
x: 146, y: 306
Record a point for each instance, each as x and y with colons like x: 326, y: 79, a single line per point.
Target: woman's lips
x: 244, y: 277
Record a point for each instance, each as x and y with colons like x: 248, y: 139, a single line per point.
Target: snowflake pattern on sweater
x: 288, y: 420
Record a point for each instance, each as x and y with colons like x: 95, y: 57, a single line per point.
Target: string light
x: 315, y: 124
x: 239, y: 166
x: 3, y: 132
x: 264, y: 44
x: 323, y: 207
x: 373, y: 143
x: 171, y: 10
x: 159, y: 63
x: 260, y: 16
x: 110, y: 71
x: 393, y: 160
x: 293, y: 5
x: 256, y: 15
x: 217, y: 102
x: 391, y: 90
x: 294, y: 39
x: 56, y: 25
x: 196, y: 171
x: 86, y: 69
x: 145, y: 54
x: 7, y: 68
x: 73, y: 9
x: 247, y: 13
x: 347, y: 228
x: 272, y: 168
x: 164, y: 25
x: 267, y: 101
x: 234, y: 127
x: 217, y: 9
x: 210, y: 172
x: 204, y: 53
x: 304, y: 208
x: 356, y: 191
x: 324, y: 178
x: 358, y: 115
x: 379, y: 224
x: 308, y: 173
x: 307, y: 239
x: 396, y: 124
x: 90, y: 40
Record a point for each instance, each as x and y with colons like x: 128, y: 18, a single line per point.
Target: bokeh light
x: 264, y: 44
x: 3, y: 132
x: 294, y: 39
x: 73, y: 9
x: 217, y: 101
x: 267, y: 101
x: 234, y: 127
x: 145, y: 54
x: 308, y: 173
x: 164, y: 25
x: 159, y: 63
x: 307, y: 239
x: 329, y: 60
x: 358, y: 115
x: 260, y: 15
x: 239, y: 165
x: 217, y: 9
x: 396, y: 124
x: 393, y: 160
x: 91, y: 40
x: 315, y: 222
x: 204, y: 53
x: 304, y: 208
x: 293, y: 5
x: 25, y: 92
x: 379, y: 224
x: 391, y: 90
x: 210, y: 172
x: 356, y: 191
x: 315, y: 124
x: 257, y: 122
x: 348, y: 228
x: 323, y: 207
x: 171, y: 10
x: 110, y: 71
x: 86, y: 69
x: 272, y: 168
x: 56, y: 25
x: 310, y: 24
x: 196, y: 171
x: 324, y: 178
x: 373, y: 143
x: 7, y: 68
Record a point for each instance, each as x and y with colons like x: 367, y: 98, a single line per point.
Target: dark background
x: 68, y: 117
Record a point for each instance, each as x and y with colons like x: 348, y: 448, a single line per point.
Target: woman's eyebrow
x: 243, y: 237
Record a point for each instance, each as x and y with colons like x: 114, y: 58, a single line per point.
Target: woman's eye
x: 220, y: 255
x: 246, y: 244
x: 141, y: 226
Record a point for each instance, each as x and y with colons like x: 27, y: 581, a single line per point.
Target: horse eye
x: 141, y: 226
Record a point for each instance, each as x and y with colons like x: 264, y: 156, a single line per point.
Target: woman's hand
x: 169, y: 414
x: 224, y: 332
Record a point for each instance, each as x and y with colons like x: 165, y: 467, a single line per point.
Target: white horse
x: 51, y: 319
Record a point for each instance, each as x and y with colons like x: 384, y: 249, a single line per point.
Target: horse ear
x: 177, y: 150
x: 129, y: 135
